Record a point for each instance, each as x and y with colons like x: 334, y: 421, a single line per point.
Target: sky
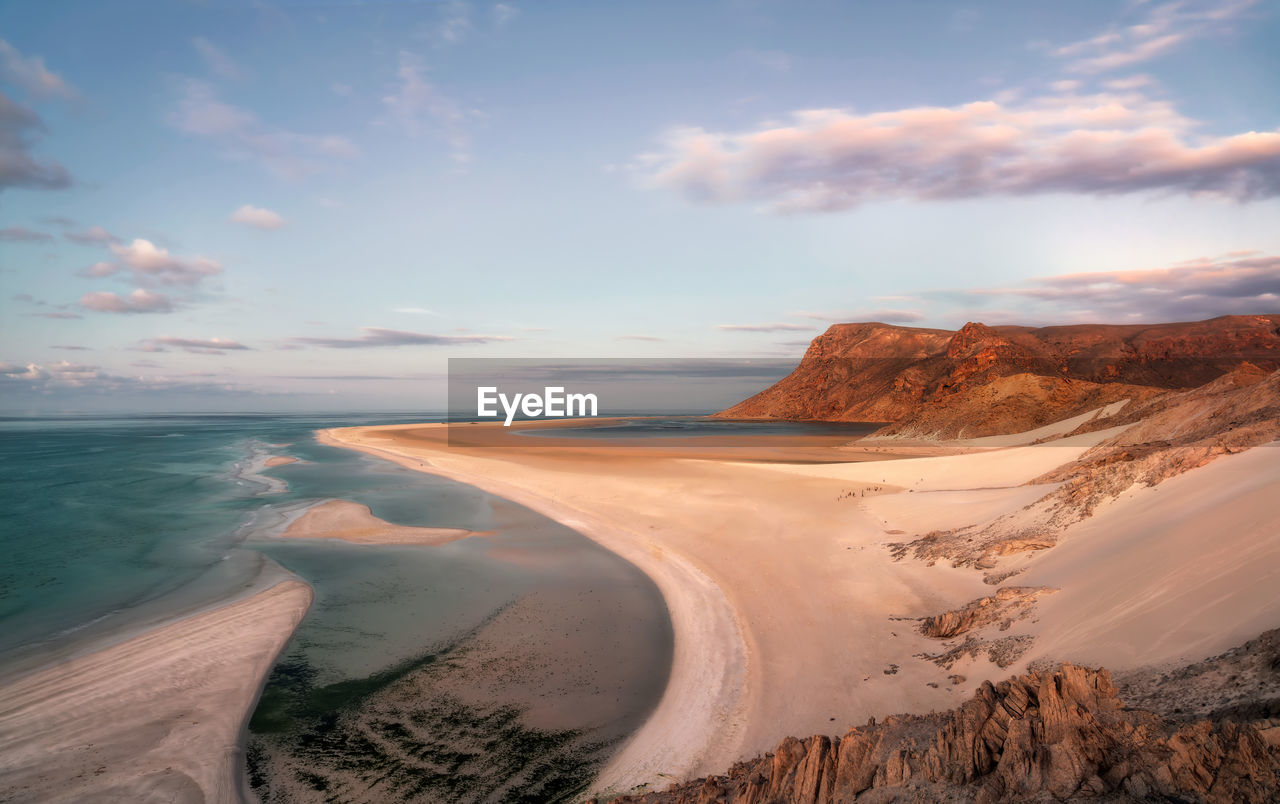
x: 259, y: 205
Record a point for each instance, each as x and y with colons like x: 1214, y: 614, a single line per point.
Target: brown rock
x: 983, y: 380
x: 1049, y: 735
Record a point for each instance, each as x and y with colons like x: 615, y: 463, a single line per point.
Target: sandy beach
x: 790, y: 612
x: 156, y: 717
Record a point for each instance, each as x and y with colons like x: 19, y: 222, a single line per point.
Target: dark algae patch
x: 401, y: 735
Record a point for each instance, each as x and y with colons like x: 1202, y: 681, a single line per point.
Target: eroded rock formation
x: 1048, y: 735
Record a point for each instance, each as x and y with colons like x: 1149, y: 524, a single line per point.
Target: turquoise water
x: 108, y: 522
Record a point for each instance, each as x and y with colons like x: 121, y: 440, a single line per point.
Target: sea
x: 506, y: 667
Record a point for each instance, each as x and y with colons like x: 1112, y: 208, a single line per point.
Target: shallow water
x: 530, y: 650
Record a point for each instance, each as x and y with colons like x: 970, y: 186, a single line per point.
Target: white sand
x: 995, y: 468
x: 787, y: 606
x: 780, y: 592
x: 1176, y: 572
x: 158, y: 717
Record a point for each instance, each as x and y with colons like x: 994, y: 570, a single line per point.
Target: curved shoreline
x: 701, y: 716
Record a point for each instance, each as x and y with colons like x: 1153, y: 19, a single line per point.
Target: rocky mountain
x: 982, y: 380
x: 1050, y: 735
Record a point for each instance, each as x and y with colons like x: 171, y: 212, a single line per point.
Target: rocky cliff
x: 1049, y: 735
x: 982, y: 380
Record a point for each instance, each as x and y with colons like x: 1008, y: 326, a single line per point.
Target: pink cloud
x: 139, y: 301
x: 832, y: 159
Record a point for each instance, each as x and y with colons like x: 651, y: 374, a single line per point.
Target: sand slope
x: 1174, y: 572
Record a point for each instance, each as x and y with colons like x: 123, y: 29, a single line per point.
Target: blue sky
x: 246, y: 205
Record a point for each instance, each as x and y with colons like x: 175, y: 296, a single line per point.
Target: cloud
x: 414, y: 311
x: 339, y: 88
x: 834, y: 159
x: 775, y: 327
x: 1198, y: 289
x: 415, y: 97
x: 56, y: 316
x: 20, y: 127
x: 64, y: 378
x: 1164, y: 28
x: 257, y: 217
x: 31, y: 74
x: 100, y: 269
x: 21, y: 234
x: 455, y: 21
x: 646, y: 338
x: 243, y: 137
x: 203, y: 346
x: 218, y: 62
x: 93, y: 236
x: 883, y: 315
x: 376, y: 337
x: 504, y: 13
x: 72, y: 348
x: 152, y: 265
x: 58, y: 220
x: 139, y: 301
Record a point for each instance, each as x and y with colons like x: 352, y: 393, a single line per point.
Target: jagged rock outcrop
x: 1008, y: 604
x: 983, y: 380
x: 1049, y: 735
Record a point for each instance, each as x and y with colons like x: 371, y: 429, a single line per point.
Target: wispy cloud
x: 20, y: 128
x: 378, y: 337
x: 139, y: 301
x: 1196, y: 289
x: 31, y: 74
x: 1163, y: 28
x: 257, y: 217
x: 416, y: 105
x: 218, y: 62
x: 645, y: 338
x: 883, y: 315
x: 21, y: 234
x: 504, y: 13
x: 1099, y: 144
x: 455, y: 20
x: 774, y: 327
x: 93, y: 236
x: 203, y: 346
x: 243, y: 137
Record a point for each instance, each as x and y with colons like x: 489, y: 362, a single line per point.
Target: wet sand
x: 353, y: 522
